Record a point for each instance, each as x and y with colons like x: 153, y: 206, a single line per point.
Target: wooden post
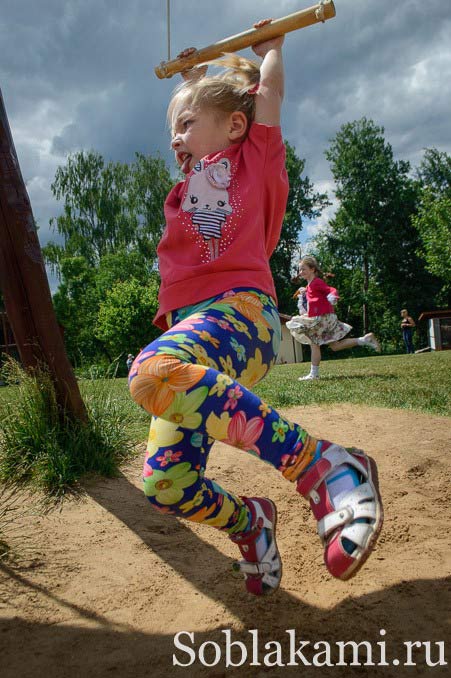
x: 24, y: 283
x: 305, y: 17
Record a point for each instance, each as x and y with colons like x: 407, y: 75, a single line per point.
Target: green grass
x: 41, y: 447
x: 420, y: 382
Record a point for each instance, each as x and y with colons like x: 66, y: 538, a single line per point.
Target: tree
x: 371, y: 237
x: 111, y: 223
x: 433, y: 220
x: 124, y: 321
x: 76, y: 303
x: 108, y: 207
x: 434, y: 226
x: 372, y: 188
x: 434, y: 172
x: 302, y: 202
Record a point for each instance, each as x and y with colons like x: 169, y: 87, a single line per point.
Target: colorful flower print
x: 169, y: 457
x: 183, y: 411
x: 238, y: 325
x: 264, y: 409
x: 236, y: 431
x: 244, y: 434
x: 204, y: 335
x: 204, y: 512
x: 190, y: 323
x: 217, y: 427
x: 136, y: 363
x: 223, y: 324
x: 197, y: 500
x: 179, y: 337
x: 162, y: 434
x: 263, y: 332
x: 233, y: 395
x: 202, y: 357
x: 184, y: 356
x: 248, y: 304
x: 273, y: 319
x: 158, y: 380
x: 224, y: 514
x: 280, y: 428
x: 239, y: 349
x: 196, y: 439
x: 254, y: 372
x: 167, y: 486
x: 222, y: 381
x: 227, y: 366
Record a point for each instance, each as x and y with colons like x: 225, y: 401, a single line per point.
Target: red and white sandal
x: 349, y: 529
x: 263, y: 574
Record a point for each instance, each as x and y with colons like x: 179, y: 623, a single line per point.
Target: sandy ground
x: 105, y: 583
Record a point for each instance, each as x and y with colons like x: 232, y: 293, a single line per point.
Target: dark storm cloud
x: 79, y: 75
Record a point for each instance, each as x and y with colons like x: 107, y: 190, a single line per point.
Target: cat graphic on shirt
x: 207, y: 200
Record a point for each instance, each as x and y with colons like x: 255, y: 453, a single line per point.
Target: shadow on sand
x: 69, y: 651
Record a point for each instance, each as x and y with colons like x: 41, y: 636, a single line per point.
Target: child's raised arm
x: 271, y: 89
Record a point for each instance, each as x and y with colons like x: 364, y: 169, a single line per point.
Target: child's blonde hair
x: 227, y: 92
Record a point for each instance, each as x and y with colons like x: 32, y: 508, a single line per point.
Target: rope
x: 319, y: 13
x: 168, y: 22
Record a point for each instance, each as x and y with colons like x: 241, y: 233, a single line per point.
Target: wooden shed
x: 290, y: 350
x: 439, y: 329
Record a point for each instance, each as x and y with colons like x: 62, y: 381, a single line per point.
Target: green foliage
x: 108, y: 207
x: 111, y: 224
x: 434, y: 226
x: 124, y: 321
x: 303, y: 202
x: 434, y: 172
x: 41, y: 447
x: 76, y: 303
x: 433, y: 220
x: 371, y: 244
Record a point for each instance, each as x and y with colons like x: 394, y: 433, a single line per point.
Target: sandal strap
x: 358, y: 504
x: 261, y: 575
x: 358, y: 533
x: 263, y: 567
x: 334, y: 456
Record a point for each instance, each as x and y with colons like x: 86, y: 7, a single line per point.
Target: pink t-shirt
x: 318, y: 303
x: 223, y: 223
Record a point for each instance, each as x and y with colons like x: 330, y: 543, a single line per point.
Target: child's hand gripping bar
x: 305, y: 17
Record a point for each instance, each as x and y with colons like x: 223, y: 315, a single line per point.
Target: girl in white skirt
x: 317, y: 323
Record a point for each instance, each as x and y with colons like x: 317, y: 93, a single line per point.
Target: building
x: 439, y: 329
x: 290, y: 350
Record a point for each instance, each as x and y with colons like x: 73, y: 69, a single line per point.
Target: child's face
x: 306, y: 271
x: 196, y: 133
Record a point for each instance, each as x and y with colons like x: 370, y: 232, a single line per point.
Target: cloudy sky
x: 78, y: 74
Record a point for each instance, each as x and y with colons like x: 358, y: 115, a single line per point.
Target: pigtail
x: 242, y: 73
x: 231, y: 90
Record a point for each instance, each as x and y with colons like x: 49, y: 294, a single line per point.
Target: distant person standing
x: 407, y: 325
x: 129, y: 361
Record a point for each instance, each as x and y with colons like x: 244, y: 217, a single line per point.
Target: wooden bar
x: 292, y: 22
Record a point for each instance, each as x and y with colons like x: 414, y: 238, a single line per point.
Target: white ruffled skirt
x: 320, y: 329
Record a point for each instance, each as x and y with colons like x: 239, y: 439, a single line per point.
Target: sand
x: 102, y: 585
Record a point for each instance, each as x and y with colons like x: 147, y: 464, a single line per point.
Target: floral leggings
x: 195, y: 381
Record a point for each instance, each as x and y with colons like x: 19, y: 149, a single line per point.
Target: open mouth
x: 184, y: 160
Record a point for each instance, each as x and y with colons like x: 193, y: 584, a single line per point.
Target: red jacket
x: 317, y: 292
